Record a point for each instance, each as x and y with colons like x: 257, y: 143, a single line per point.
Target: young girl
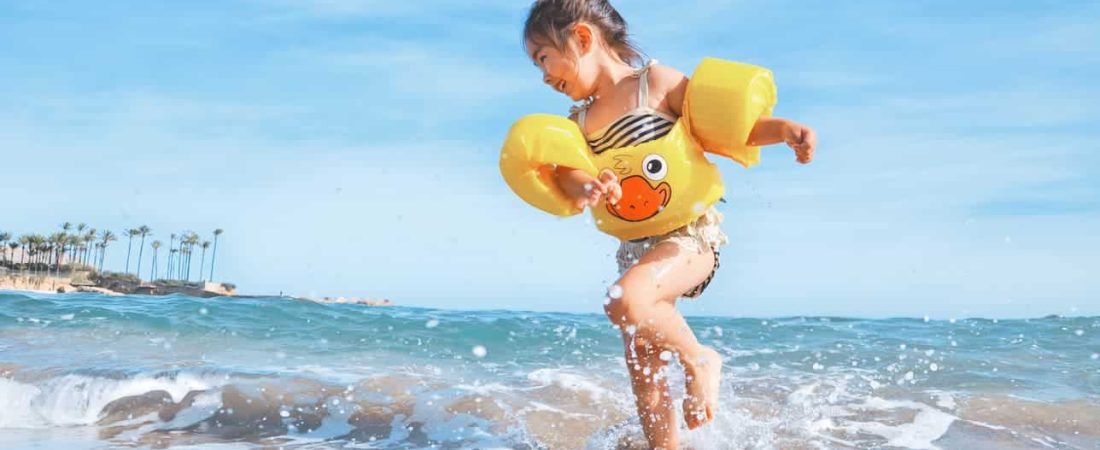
x: 583, y: 50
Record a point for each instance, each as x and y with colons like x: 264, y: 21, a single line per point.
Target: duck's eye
x: 654, y: 167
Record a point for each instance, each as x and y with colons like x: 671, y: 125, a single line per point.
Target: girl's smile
x: 558, y: 71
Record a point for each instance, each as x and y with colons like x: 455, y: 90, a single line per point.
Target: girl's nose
x: 546, y: 78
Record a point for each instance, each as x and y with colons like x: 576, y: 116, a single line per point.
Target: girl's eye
x: 654, y: 167
x: 542, y: 59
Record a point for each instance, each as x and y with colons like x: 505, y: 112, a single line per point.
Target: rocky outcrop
x: 355, y: 300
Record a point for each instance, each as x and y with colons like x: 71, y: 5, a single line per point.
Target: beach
x: 87, y: 371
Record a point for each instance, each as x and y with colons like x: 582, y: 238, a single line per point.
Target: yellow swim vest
x: 667, y: 183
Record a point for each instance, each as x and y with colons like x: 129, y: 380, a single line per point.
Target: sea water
x: 91, y: 371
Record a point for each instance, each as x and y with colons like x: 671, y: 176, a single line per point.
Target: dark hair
x: 553, y: 20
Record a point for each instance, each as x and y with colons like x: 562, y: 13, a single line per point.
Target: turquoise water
x: 89, y: 371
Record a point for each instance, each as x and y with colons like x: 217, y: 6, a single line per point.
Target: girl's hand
x: 605, y: 186
x: 802, y: 139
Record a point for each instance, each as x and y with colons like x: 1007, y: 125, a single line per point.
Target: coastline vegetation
x: 78, y: 253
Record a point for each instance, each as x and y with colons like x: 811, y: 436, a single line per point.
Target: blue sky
x: 350, y: 148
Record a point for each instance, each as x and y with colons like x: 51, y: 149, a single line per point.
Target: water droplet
x: 615, y: 291
x: 1095, y: 356
x: 631, y: 329
x: 933, y: 367
x: 818, y: 366
x: 284, y: 413
x: 698, y: 207
x: 1079, y: 332
x: 203, y: 311
x: 479, y: 351
x: 909, y: 375
x: 431, y: 323
x: 667, y: 356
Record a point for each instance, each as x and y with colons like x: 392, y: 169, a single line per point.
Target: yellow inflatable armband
x: 724, y: 100
x: 666, y: 183
x: 535, y: 146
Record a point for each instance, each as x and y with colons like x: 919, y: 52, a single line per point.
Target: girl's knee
x: 627, y: 304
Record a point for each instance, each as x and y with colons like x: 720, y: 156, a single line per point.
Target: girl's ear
x: 583, y: 33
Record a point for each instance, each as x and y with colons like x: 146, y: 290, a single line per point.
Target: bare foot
x: 704, y: 376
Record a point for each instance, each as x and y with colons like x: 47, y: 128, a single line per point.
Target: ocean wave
x: 84, y: 372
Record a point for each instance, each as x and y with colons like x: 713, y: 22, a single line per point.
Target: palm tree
x: 36, y: 247
x: 66, y: 228
x: 57, y: 243
x: 181, y: 266
x: 171, y: 256
x: 214, y: 253
x: 129, y: 245
x: 187, y: 240
x: 89, y: 239
x: 105, y: 239
x: 12, y: 245
x: 153, y: 270
x: 194, y: 241
x: 24, y: 244
x: 79, y: 231
x: 74, y: 244
x: 143, y: 231
x: 4, y: 237
x: 28, y: 251
x: 205, y: 245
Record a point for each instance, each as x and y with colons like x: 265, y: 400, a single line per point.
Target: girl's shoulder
x: 667, y: 85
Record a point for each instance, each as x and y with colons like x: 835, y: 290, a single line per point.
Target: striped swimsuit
x: 639, y: 125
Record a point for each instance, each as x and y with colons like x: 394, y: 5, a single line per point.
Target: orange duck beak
x: 640, y: 201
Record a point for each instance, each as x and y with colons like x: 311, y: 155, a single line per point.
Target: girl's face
x: 566, y: 70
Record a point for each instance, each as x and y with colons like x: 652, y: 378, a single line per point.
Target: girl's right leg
x: 646, y: 311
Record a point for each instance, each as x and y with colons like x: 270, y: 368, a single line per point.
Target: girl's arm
x: 585, y: 190
x: 773, y: 130
x: 768, y: 130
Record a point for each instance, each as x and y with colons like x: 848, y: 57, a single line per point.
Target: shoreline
x: 49, y: 284
x: 108, y: 285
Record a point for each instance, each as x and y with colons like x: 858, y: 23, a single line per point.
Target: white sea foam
x: 568, y: 380
x: 928, y: 425
x: 78, y: 399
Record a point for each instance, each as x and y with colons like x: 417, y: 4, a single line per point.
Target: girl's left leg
x: 647, y: 378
